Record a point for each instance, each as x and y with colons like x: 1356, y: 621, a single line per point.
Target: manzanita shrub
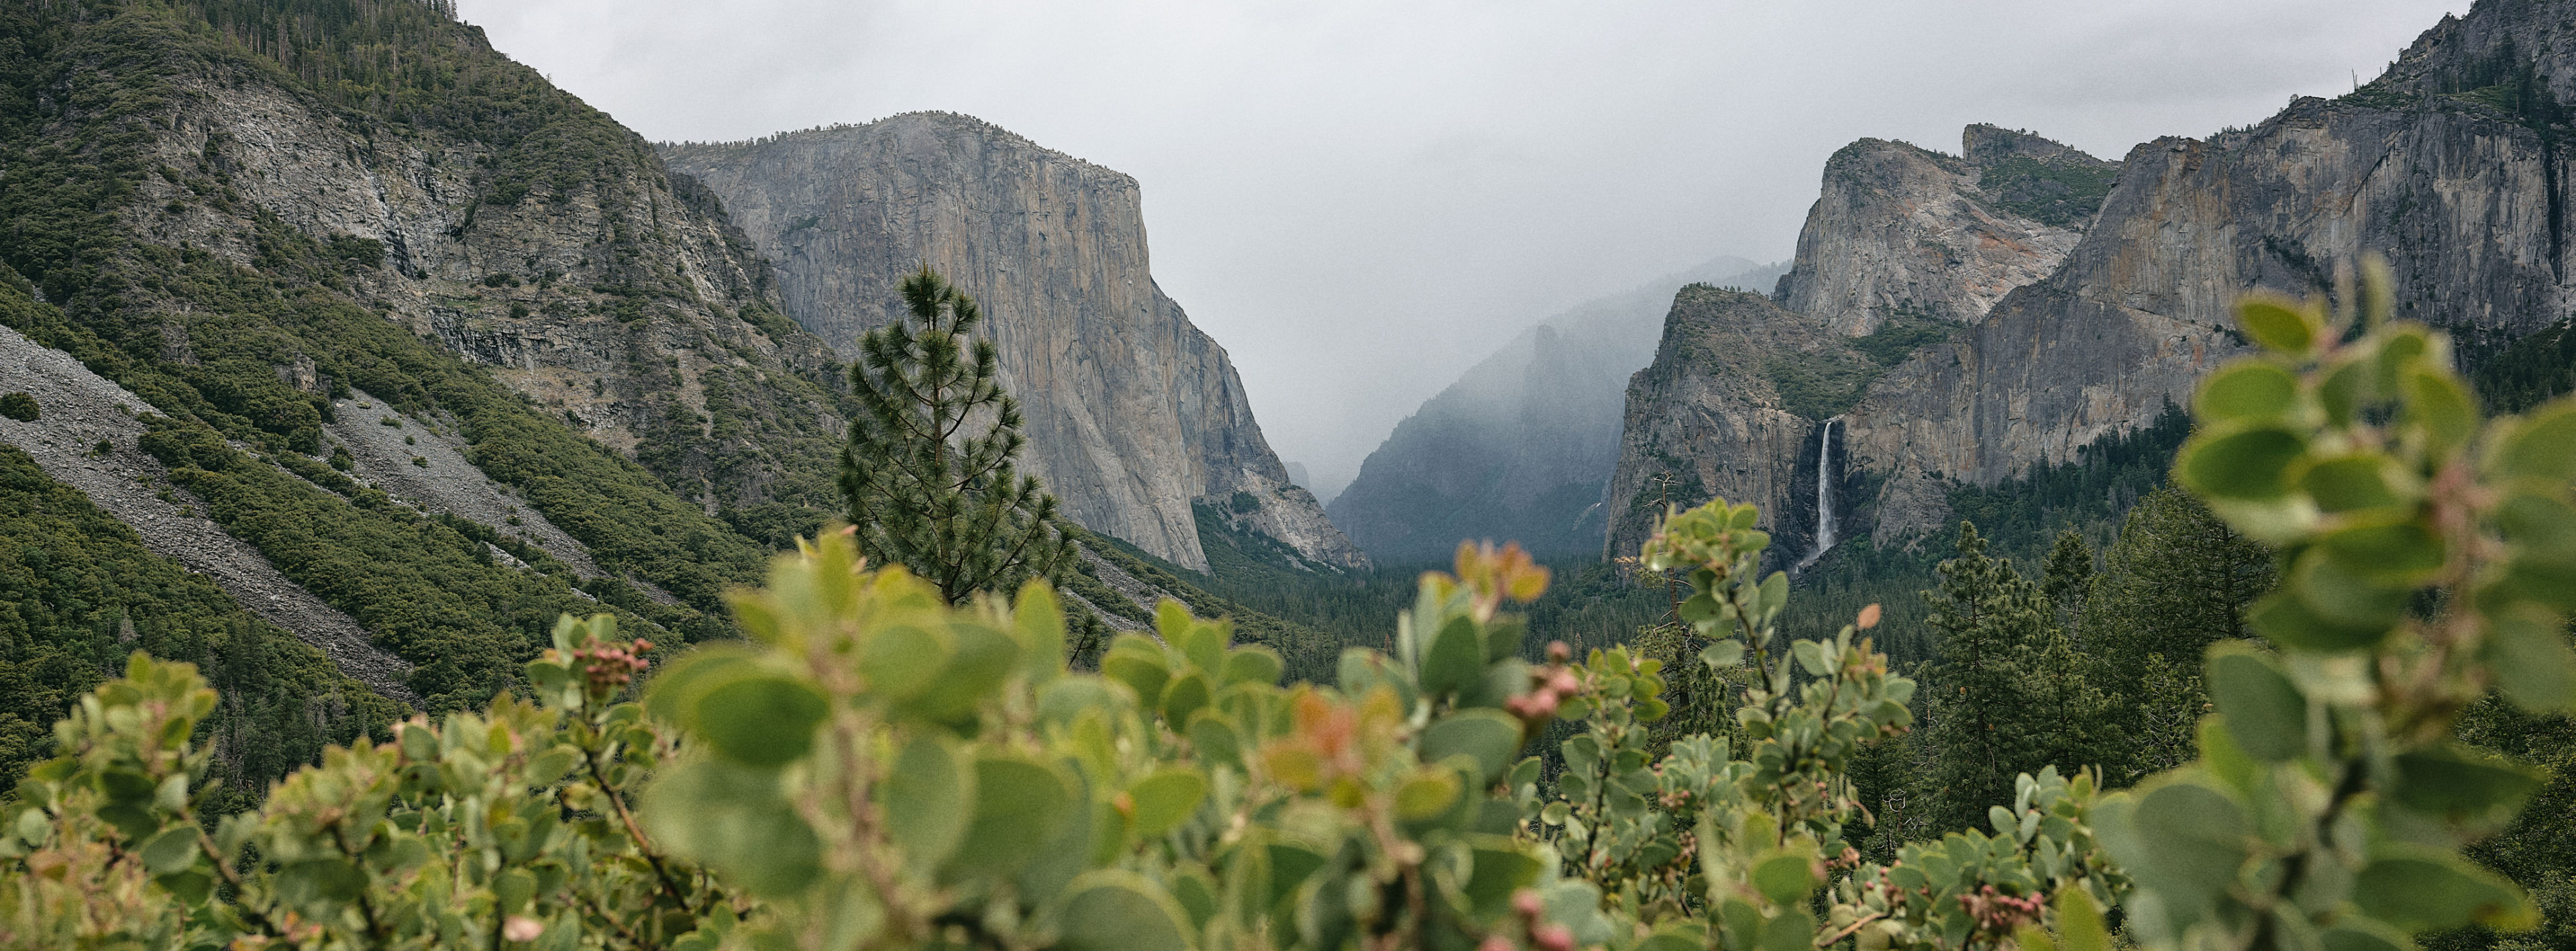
x: 514, y: 826
x: 2427, y: 557
x: 1717, y: 848
x: 874, y: 768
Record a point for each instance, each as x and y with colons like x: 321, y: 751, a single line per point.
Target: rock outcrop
x: 1133, y: 415
x: 2448, y: 165
x: 1902, y: 231
x: 1708, y: 418
x: 567, y: 261
x: 1522, y: 446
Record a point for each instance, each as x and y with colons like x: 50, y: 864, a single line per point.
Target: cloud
x: 1361, y: 199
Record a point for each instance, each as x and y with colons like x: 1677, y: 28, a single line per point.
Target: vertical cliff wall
x: 2086, y: 322
x: 1903, y: 246
x: 1713, y: 415
x: 401, y: 324
x: 1133, y: 413
x: 2463, y: 198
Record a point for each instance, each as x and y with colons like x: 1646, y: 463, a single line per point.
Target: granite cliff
x: 1720, y: 414
x: 1902, y: 231
x: 1903, y: 247
x: 1522, y: 445
x: 1135, y: 417
x: 2448, y: 164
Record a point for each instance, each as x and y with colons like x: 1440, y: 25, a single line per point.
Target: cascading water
x: 1824, y: 491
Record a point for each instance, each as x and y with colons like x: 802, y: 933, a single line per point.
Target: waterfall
x: 1824, y: 491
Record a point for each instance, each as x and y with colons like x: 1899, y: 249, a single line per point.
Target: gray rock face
x: 2459, y: 202
x: 2439, y: 165
x: 623, y: 301
x: 1522, y: 446
x: 1132, y: 413
x: 1707, y: 419
x: 1904, y: 231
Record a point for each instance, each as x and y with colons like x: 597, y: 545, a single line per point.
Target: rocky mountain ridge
x: 1134, y: 415
x: 2448, y: 164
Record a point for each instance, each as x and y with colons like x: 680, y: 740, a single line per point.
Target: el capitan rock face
x: 1132, y: 413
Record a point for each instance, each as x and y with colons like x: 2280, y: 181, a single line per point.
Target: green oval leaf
x: 2331, y: 589
x: 1490, y: 737
x: 921, y: 798
x: 2277, y: 324
x: 2349, y: 483
x: 2436, y: 401
x: 1254, y: 664
x: 2431, y: 890
x: 733, y: 819
x: 760, y: 720
x: 2393, y: 551
x: 1786, y: 879
x: 2263, y: 708
x: 2460, y: 785
x: 1456, y: 660
x: 1119, y: 910
x: 983, y: 657
x: 1216, y: 740
x: 1426, y: 794
x: 2541, y: 446
x: 2193, y: 838
x: 172, y: 851
x: 2247, y: 464
x: 1019, y: 804
x: 2530, y: 659
x: 900, y: 661
x: 2251, y: 389
x: 672, y: 695
x: 1138, y: 662
x: 1186, y: 695
x: 1166, y: 799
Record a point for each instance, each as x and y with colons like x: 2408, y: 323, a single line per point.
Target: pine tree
x: 2068, y: 577
x: 2176, y: 581
x: 1988, y: 723
x: 928, y: 471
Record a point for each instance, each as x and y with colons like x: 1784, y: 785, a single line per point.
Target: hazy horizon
x: 1360, y: 202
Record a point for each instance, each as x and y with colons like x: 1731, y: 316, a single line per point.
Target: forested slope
x: 279, y: 221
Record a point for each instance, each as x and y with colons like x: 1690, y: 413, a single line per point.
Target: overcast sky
x: 1361, y: 198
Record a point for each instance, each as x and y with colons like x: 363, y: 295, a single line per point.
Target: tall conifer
x: 929, y: 471
x: 2068, y: 576
x: 1987, y: 727
x: 2177, y: 580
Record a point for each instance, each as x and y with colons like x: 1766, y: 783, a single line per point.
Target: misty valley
x: 438, y: 516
